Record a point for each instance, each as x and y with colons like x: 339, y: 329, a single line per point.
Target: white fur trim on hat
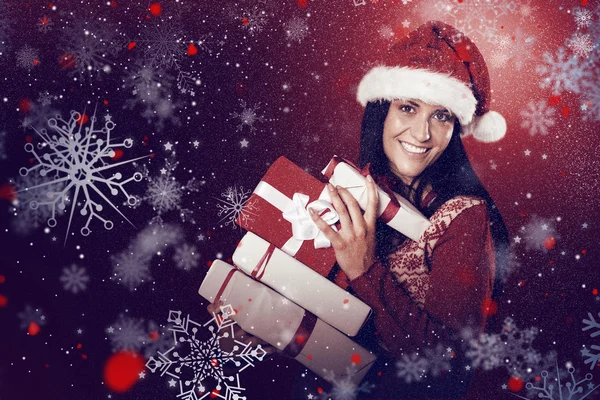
x: 490, y: 127
x: 390, y: 83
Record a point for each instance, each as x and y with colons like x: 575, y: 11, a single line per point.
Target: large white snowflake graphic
x: 198, y: 365
x: 563, y: 72
x: 79, y: 156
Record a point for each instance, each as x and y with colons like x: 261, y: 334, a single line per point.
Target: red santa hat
x: 438, y: 65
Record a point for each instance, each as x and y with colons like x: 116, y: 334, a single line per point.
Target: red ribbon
x: 393, y: 206
x: 224, y: 285
x: 300, y: 339
x: 263, y: 260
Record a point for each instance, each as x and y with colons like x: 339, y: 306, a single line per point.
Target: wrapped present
x: 294, y: 280
x: 278, y: 209
x: 266, y: 314
x: 393, y: 209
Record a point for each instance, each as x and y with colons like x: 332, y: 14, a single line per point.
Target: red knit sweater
x: 438, y: 285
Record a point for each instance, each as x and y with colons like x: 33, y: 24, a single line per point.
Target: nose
x: 420, y: 129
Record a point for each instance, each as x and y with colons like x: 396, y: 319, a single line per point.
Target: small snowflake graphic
x: 234, y: 205
x: 165, y: 193
x: 198, y: 365
x: 248, y: 116
x: 186, y: 257
x: 254, y: 20
x: 296, y: 30
x: 74, y: 279
x: 411, y: 367
x: 581, y: 44
x: 127, y: 333
x: 130, y: 269
x: 538, y: 117
x: 28, y: 58
x: 583, y: 17
x: 30, y: 316
x: 343, y: 388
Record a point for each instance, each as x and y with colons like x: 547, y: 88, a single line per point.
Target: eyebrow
x: 416, y: 105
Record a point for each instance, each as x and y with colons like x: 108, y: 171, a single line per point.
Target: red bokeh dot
x: 515, y: 384
x: 155, y: 9
x: 122, y: 370
x: 355, y: 358
x: 549, y: 243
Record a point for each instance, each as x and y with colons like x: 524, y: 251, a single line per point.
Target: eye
x: 403, y: 107
x: 445, y: 117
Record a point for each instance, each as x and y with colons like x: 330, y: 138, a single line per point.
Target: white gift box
x: 400, y: 215
x: 266, y: 314
x: 305, y: 287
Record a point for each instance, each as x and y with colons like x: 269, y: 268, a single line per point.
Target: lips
x: 413, y: 150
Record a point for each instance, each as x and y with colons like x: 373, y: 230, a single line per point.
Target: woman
x: 433, y: 89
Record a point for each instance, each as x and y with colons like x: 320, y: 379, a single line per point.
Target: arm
x: 460, y: 280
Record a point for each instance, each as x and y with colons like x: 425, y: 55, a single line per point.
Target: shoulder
x: 461, y: 215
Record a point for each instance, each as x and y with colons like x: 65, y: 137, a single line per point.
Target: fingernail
x: 330, y: 187
x: 369, y: 178
x: 338, y: 187
x: 311, y: 211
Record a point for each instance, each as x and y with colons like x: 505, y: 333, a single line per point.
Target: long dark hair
x: 451, y: 175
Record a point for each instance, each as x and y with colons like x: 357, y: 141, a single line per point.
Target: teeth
x: 412, y: 148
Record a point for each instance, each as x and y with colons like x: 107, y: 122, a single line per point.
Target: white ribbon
x: 295, y: 210
x: 303, y: 227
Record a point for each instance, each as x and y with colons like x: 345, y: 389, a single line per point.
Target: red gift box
x: 282, y: 180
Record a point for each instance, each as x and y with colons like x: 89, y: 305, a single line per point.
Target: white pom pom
x: 490, y: 127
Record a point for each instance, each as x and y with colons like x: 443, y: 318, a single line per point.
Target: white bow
x: 303, y: 227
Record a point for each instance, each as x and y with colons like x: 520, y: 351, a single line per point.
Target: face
x: 415, y: 134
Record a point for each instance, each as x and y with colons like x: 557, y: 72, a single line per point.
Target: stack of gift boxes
x: 278, y: 288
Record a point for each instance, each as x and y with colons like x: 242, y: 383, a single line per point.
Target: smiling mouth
x: 413, y: 149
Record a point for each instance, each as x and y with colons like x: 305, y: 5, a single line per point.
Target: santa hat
x: 437, y: 64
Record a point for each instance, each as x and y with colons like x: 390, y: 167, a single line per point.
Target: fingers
x: 372, y: 202
x: 339, y: 206
x: 358, y: 221
x: 324, y: 227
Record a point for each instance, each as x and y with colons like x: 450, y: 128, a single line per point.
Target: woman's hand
x: 354, y: 244
x: 243, y: 336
